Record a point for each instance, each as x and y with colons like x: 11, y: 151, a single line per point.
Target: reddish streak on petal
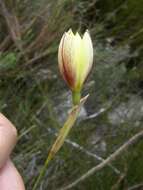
x: 67, y: 71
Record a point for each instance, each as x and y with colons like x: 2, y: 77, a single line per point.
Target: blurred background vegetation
x: 35, y: 98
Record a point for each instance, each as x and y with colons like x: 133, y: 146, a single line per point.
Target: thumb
x: 8, y: 138
x: 10, y: 179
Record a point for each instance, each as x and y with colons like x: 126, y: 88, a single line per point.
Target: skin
x: 10, y: 178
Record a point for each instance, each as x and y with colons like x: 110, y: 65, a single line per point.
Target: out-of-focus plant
x: 75, y: 57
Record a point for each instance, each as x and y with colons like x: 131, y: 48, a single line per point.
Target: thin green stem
x: 76, y: 97
x: 42, y: 172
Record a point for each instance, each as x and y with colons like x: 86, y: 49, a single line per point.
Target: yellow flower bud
x: 75, y: 57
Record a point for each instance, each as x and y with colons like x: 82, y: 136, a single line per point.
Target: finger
x: 10, y: 179
x: 8, y: 136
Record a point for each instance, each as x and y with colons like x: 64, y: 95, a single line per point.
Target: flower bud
x: 75, y: 58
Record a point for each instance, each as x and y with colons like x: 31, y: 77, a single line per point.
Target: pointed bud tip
x: 87, y: 35
x: 77, y: 35
x: 70, y: 32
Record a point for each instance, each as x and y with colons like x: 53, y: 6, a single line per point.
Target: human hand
x: 10, y: 178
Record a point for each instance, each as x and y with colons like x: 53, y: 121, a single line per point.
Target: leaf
x: 66, y: 128
x: 61, y: 137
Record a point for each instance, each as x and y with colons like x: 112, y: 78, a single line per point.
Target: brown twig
x: 108, y: 160
x: 140, y: 185
x: 5, y: 43
x: 13, y: 27
x: 119, y: 181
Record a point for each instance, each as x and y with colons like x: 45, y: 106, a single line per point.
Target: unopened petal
x: 83, y: 58
x: 60, y: 60
x: 65, y: 58
x: 78, y: 57
x: 87, y: 43
x: 88, y: 49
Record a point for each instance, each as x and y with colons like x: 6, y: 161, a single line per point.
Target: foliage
x: 31, y: 90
